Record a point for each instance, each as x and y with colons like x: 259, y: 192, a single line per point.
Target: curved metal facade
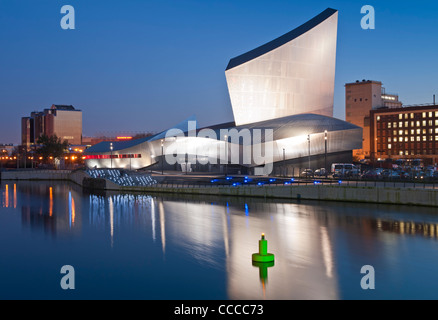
x: 289, y: 75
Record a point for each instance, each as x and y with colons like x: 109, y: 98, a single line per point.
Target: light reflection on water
x: 173, y: 247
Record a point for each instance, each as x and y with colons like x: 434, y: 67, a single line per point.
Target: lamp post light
x: 226, y: 155
x: 162, y: 157
x: 284, y: 161
x: 308, y: 140
x: 325, y: 156
x: 111, y: 157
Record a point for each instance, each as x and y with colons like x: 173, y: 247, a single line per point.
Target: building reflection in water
x: 308, y: 239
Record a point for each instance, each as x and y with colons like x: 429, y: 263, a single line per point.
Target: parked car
x: 370, y: 174
x: 307, y: 173
x: 321, y: 172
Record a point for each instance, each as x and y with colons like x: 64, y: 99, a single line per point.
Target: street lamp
x: 226, y: 155
x: 308, y: 140
x: 325, y: 157
x: 284, y: 161
x: 162, y: 157
x: 111, y: 157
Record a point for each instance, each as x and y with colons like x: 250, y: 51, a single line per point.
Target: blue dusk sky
x: 141, y: 65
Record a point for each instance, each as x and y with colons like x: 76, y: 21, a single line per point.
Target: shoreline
x: 338, y: 193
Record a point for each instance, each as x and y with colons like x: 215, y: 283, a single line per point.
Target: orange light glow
x: 15, y: 196
x: 124, y: 138
x: 7, y: 196
x: 51, y: 201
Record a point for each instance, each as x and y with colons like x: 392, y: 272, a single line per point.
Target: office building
x: 405, y: 133
x: 64, y: 121
x: 360, y: 98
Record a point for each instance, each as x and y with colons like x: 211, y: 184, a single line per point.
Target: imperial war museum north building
x: 282, y: 97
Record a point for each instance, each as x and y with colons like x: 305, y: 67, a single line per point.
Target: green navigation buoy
x: 263, y: 255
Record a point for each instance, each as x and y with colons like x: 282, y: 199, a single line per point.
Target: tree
x: 51, y: 146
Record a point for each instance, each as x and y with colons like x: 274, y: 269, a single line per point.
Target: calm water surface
x: 139, y: 246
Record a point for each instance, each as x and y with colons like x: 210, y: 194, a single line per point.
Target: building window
x: 400, y: 132
x: 400, y: 124
x: 418, y: 138
x: 418, y: 123
x: 389, y: 146
x: 389, y: 139
x: 424, y: 123
x: 400, y: 116
x: 406, y: 115
x: 395, y: 139
x: 378, y: 118
x: 412, y: 116
x: 424, y: 114
x: 395, y: 124
x: 412, y: 139
x: 389, y: 125
x: 430, y: 114
x: 430, y: 123
x: 406, y: 124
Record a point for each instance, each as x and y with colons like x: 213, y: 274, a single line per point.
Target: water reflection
x: 318, y: 246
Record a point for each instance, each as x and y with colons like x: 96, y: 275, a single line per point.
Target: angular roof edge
x: 274, y: 44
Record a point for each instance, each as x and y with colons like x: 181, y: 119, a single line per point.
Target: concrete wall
x: 407, y: 196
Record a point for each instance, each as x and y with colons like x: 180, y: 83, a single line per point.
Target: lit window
x: 436, y: 130
x: 395, y: 139
x: 395, y: 132
x: 418, y: 138
x: 430, y: 114
x: 424, y: 131
x: 395, y: 124
x: 406, y: 139
x: 412, y: 116
x: 400, y: 124
x: 389, y: 139
x: 430, y: 123
x: 424, y: 114
x: 406, y: 124
x: 412, y: 131
x: 389, y: 146
x: 436, y: 138
x: 389, y: 125
x: 424, y: 138
x: 436, y: 122
x: 436, y: 114
x: 412, y: 139
x: 424, y: 123
x: 401, y: 153
x: 418, y: 123
x: 378, y: 118
x: 406, y: 132
x: 400, y: 116
x: 406, y: 115
x: 418, y: 131
x: 400, y: 132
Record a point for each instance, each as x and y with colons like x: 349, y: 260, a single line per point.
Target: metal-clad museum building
x: 283, y: 90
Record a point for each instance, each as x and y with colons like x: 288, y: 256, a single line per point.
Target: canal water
x: 170, y: 247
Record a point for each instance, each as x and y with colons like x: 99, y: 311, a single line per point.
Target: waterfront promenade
x: 406, y: 193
